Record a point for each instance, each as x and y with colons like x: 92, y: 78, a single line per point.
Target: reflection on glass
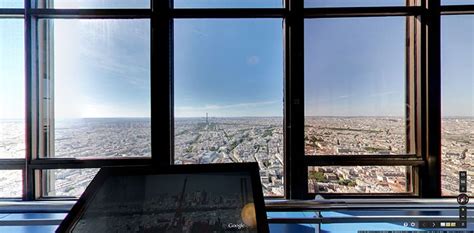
x: 67, y: 182
x: 353, y: 3
x: 171, y: 203
x: 11, y: 4
x: 73, y: 4
x: 228, y: 83
x: 228, y: 3
x: 101, y: 87
x: 358, y: 179
x: 11, y: 183
x: 12, y: 89
x: 355, y: 86
x: 457, y: 103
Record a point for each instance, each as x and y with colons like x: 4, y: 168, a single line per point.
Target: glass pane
x: 355, y: 86
x: 358, y: 179
x: 353, y: 3
x: 101, y: 87
x: 228, y: 94
x: 73, y: 4
x: 67, y: 182
x: 11, y: 4
x: 457, y: 93
x: 228, y: 4
x: 12, y: 89
x: 457, y: 2
x: 11, y: 183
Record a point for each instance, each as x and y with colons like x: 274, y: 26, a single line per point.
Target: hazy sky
x: 229, y: 67
x: 12, y: 73
x: 102, y: 68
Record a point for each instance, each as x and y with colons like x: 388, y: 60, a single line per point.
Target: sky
x: 228, y: 67
x: 234, y: 67
x: 12, y: 73
x: 355, y: 66
x: 102, y: 68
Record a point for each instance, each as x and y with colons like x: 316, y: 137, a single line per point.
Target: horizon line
x: 333, y: 116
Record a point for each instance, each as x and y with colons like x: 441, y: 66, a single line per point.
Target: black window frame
x: 424, y: 92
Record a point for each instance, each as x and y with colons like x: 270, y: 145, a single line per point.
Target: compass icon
x: 463, y: 199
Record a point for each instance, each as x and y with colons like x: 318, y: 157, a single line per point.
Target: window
x: 12, y: 103
x: 84, y: 4
x: 353, y: 3
x: 358, y: 179
x: 456, y: 2
x: 67, y: 182
x: 228, y: 4
x: 10, y: 183
x: 101, y: 88
x: 355, y: 86
x: 331, y: 98
x: 358, y: 107
x: 228, y: 94
x: 11, y: 4
x: 457, y: 101
x: 12, y: 89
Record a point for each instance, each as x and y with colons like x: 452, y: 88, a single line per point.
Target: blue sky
x: 228, y: 67
x: 227, y: 3
x: 11, y: 69
x: 344, y: 3
x: 457, y: 67
x: 355, y: 66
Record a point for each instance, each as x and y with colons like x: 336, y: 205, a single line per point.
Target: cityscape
x: 247, y: 139
x: 356, y: 136
x: 385, y: 136
x: 227, y: 140
x: 457, y: 146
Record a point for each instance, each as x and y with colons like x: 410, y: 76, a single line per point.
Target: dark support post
x: 296, y: 172
x: 28, y: 173
x: 431, y: 102
x: 162, y: 125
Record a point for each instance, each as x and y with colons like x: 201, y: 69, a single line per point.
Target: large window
x: 355, y: 86
x: 12, y: 89
x: 330, y: 98
x: 228, y: 4
x: 91, y: 4
x: 359, y: 85
x: 101, y: 88
x: 12, y: 103
x: 228, y: 94
x: 457, y: 101
x: 353, y: 3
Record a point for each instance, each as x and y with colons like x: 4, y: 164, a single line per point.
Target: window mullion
x: 296, y: 174
x: 31, y: 130
x: 430, y: 183
x: 162, y: 83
